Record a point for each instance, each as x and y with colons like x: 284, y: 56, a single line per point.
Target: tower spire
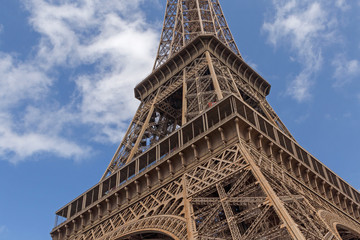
x: 185, y: 20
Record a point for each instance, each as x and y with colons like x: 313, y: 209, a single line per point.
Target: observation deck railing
x: 213, y: 118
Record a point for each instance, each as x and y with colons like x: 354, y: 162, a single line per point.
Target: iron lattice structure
x: 206, y: 157
x: 185, y: 20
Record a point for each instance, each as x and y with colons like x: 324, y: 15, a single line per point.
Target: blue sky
x: 68, y: 68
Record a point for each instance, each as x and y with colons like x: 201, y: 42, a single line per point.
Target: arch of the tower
x: 347, y: 233
x: 166, y: 227
x: 341, y: 227
x: 148, y: 234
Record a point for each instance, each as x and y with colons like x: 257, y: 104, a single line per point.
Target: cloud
x: 86, y: 31
x: 99, y: 49
x: 18, y: 147
x: 306, y: 26
x: 36, y: 132
x: 345, y: 70
x: 302, y: 118
x: 299, y: 89
x: 342, y: 4
x: 23, y: 86
x: 119, y: 41
x: 20, y: 81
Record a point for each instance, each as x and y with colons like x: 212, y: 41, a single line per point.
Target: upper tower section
x: 198, y: 65
x: 185, y: 20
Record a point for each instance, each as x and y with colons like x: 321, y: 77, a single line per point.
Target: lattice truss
x: 185, y: 20
x: 157, y: 116
x: 300, y: 207
x: 238, y: 192
x: 227, y: 201
x: 235, y: 207
x: 200, y: 91
x: 300, y: 202
x: 152, y: 211
x: 230, y: 203
x: 182, y: 98
x: 194, y: 89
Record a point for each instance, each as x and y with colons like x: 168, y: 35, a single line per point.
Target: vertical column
x: 189, y: 214
x: 338, y: 202
x: 208, y: 143
x: 213, y: 76
x: 307, y: 176
x: 184, y: 101
x: 58, y: 234
x: 298, y: 172
x: 74, y: 226
x: 99, y: 211
x: 200, y: 16
x: 331, y: 193
x: 357, y: 212
x: 67, y: 231
x: 158, y: 170
x: 82, y: 221
x: 260, y: 146
x: 148, y: 182
x: 249, y: 130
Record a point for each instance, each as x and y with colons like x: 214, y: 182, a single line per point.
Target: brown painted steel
x: 206, y: 157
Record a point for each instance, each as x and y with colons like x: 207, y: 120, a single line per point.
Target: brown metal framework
x: 202, y: 73
x: 206, y: 157
x: 185, y: 20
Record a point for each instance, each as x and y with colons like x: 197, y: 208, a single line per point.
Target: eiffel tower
x: 206, y: 157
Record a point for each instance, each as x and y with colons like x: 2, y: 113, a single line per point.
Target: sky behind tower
x: 68, y: 69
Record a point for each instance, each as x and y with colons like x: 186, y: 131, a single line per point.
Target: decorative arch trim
x: 173, y: 226
x: 333, y: 221
x: 149, y: 230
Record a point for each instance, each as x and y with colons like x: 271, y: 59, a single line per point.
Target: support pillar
x: 214, y: 76
x: 279, y: 207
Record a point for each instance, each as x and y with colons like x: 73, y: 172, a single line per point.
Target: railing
x: 274, y: 132
x: 162, y: 150
x: 59, y: 220
x: 211, y: 119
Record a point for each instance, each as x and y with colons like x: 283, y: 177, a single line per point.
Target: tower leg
x: 274, y: 199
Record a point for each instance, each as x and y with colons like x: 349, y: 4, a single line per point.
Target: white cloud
x: 342, y: 4
x: 306, y: 26
x: 115, y: 38
x: 23, y: 85
x: 20, y: 81
x: 36, y: 132
x: 108, y: 45
x: 299, y: 88
x: 18, y: 147
x: 87, y: 31
x: 345, y: 70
